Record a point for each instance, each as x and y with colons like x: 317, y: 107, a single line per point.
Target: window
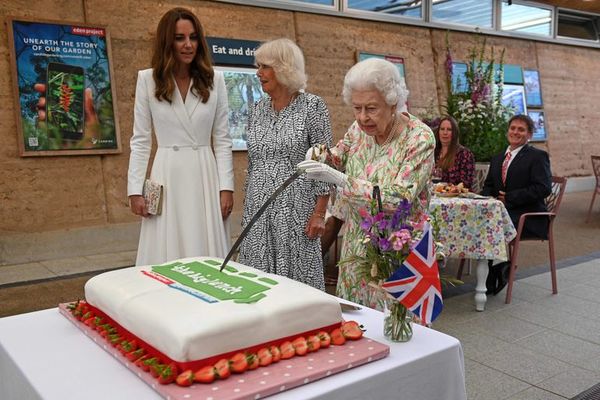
x: 577, y: 25
x: 405, y: 8
x: 526, y: 19
x: 321, y: 2
x: 464, y: 12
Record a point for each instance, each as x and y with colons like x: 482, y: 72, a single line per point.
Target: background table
x: 474, y: 228
x: 44, y: 356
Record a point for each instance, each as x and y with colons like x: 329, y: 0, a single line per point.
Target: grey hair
x: 376, y: 74
x: 286, y: 59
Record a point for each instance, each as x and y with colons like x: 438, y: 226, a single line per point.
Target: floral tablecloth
x: 473, y: 228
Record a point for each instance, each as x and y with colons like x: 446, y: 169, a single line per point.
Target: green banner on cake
x: 209, y: 280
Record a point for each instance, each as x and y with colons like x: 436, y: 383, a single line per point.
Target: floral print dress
x: 277, y: 142
x: 401, y: 168
x: 463, y: 169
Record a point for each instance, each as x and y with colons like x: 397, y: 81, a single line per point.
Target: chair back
x: 559, y: 184
x: 596, y: 168
x: 481, y: 171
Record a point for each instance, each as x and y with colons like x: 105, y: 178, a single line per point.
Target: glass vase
x: 397, y: 321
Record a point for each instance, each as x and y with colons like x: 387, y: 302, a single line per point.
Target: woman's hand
x: 138, y: 205
x: 226, y: 203
x: 315, y: 226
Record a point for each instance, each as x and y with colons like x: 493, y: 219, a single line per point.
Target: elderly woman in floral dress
x: 384, y: 147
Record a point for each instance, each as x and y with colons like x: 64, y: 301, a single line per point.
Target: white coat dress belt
x: 177, y: 147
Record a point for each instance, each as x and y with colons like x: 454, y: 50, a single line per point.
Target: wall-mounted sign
x: 539, y: 134
x: 243, y: 90
x: 65, y: 100
x: 533, y: 90
x: 232, y: 51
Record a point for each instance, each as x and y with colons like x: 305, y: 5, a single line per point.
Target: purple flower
x: 366, y: 224
x: 448, y: 63
x: 385, y: 244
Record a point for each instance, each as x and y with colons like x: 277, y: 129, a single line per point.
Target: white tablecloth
x: 44, y: 356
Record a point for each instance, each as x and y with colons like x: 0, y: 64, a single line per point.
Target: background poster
x: 397, y: 61
x: 533, y: 92
x: 514, y: 96
x: 243, y: 90
x: 62, y: 80
x: 539, y: 134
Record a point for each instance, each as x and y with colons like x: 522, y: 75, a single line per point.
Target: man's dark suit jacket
x: 528, y: 183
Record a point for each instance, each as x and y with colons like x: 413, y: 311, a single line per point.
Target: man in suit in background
x: 520, y: 178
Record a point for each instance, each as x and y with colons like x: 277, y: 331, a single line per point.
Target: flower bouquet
x: 390, y: 263
x: 476, y: 104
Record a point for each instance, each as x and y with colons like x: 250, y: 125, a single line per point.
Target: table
x: 43, y: 355
x: 474, y: 228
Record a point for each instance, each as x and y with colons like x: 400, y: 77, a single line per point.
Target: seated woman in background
x: 454, y: 163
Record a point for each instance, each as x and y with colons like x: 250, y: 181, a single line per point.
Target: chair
x: 596, y: 168
x: 552, y: 204
x: 481, y: 171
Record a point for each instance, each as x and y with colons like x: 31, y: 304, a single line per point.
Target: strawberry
x: 148, y: 363
x: 222, y: 369
x: 253, y: 362
x: 238, y: 363
x: 157, y: 369
x: 87, y: 315
x: 264, y: 357
x: 72, y: 306
x: 314, y: 343
x: 300, y: 345
x: 186, y: 378
x: 351, y: 330
x: 135, y: 354
x: 205, y: 374
x: 337, y: 337
x: 114, y: 339
x: 127, y: 346
x: 276, y: 353
x: 324, y: 338
x: 140, y: 361
x: 287, y: 350
x: 168, y: 374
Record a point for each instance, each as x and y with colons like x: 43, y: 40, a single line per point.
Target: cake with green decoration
x: 190, y: 313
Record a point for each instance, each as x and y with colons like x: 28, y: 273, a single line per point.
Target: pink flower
x: 369, y: 169
x: 363, y: 213
x: 400, y: 238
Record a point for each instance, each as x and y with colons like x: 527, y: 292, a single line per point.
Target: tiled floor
x: 541, y: 346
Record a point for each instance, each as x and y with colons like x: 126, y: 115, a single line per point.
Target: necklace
x: 394, y: 132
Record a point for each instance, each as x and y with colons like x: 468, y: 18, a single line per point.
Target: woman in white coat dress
x: 185, y: 101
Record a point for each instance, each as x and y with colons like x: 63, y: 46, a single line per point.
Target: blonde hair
x: 376, y: 74
x: 286, y: 59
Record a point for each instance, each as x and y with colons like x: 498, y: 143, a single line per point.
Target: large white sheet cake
x: 190, y: 311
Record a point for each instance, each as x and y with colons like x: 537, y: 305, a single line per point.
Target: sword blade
x: 256, y: 216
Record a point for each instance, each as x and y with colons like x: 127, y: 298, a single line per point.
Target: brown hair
x: 526, y: 119
x: 448, y: 161
x: 163, y: 61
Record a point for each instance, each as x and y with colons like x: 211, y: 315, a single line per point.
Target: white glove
x: 317, y: 152
x: 322, y: 172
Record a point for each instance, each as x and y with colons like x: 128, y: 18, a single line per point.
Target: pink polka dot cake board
x: 261, y: 382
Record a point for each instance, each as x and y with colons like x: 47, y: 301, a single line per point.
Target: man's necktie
x: 505, y: 167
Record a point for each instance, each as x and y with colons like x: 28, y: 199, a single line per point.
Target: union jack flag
x: 416, y: 283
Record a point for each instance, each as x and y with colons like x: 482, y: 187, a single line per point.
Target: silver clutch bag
x: 153, y: 194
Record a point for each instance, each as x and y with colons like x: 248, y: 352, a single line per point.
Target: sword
x: 260, y: 212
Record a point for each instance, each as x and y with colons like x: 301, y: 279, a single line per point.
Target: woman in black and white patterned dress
x: 281, y: 128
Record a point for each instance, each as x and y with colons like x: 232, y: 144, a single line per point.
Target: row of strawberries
x: 222, y: 369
